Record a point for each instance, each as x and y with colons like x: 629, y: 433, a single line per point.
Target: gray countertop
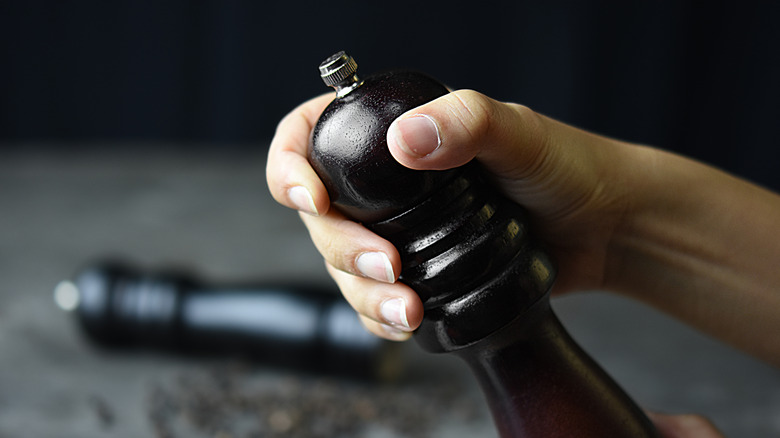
x: 209, y: 209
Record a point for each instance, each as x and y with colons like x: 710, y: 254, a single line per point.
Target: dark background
x: 700, y: 78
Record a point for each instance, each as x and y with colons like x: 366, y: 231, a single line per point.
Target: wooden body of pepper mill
x: 466, y: 251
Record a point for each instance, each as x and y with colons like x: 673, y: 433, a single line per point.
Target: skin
x: 686, y: 238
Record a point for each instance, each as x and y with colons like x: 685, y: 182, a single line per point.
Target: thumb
x: 453, y: 129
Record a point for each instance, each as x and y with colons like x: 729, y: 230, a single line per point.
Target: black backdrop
x: 700, y: 78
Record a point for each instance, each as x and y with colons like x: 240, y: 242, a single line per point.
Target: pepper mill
x: 467, y: 252
x: 307, y: 328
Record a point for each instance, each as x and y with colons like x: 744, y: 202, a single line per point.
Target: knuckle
x: 474, y: 111
x: 330, y: 247
x: 529, y: 120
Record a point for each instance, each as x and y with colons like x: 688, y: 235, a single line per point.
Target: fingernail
x: 302, y: 199
x: 417, y: 135
x: 394, y: 333
x: 393, y: 310
x: 375, y: 265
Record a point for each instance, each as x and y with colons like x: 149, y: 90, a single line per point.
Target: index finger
x: 290, y: 177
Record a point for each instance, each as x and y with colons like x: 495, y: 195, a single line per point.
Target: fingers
x: 684, y: 426
x: 462, y: 125
x: 350, y: 247
x: 389, y: 310
x: 291, y: 179
x: 365, y: 267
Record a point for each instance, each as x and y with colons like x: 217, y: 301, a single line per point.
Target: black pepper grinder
x: 467, y: 252
x: 298, y: 326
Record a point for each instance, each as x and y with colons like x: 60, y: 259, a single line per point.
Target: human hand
x: 684, y: 426
x: 682, y: 236
x: 554, y: 170
x: 364, y: 265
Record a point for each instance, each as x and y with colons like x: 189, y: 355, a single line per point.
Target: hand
x: 364, y: 265
x: 684, y: 237
x: 554, y: 170
x: 684, y: 426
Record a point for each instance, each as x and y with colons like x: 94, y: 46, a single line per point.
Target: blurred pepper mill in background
x: 296, y: 326
x: 467, y: 252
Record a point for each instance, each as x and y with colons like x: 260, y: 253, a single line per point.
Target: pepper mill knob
x: 340, y: 72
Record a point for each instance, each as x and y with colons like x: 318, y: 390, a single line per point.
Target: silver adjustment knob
x: 340, y: 72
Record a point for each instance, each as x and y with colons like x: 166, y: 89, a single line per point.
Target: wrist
x: 698, y: 244
x: 658, y: 232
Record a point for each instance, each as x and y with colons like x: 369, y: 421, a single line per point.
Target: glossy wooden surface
x: 540, y: 383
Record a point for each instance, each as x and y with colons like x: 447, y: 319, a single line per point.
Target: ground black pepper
x: 241, y: 402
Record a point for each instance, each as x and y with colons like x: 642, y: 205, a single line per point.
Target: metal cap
x: 337, y: 69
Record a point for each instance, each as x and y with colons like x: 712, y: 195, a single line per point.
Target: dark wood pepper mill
x: 306, y: 328
x: 467, y: 252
